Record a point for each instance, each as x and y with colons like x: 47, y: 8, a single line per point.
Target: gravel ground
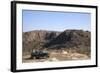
x: 54, y: 56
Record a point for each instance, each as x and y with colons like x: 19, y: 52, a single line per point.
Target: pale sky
x: 55, y: 21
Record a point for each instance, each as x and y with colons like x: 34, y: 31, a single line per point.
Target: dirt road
x: 54, y: 56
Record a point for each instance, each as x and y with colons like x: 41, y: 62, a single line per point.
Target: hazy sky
x: 55, y: 21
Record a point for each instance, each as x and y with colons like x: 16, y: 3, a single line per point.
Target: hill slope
x: 41, y: 39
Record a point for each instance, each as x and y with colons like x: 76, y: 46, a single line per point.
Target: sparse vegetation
x: 67, y: 45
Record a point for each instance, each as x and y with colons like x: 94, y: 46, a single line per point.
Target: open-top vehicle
x: 39, y: 54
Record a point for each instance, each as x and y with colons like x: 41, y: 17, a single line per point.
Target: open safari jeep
x: 39, y: 54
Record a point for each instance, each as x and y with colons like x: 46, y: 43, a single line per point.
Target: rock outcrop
x: 41, y: 39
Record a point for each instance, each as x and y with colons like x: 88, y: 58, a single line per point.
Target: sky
x: 55, y: 21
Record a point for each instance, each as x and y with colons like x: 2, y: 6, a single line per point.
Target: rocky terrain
x: 75, y: 44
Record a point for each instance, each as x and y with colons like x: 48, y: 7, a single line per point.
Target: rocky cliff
x: 41, y: 39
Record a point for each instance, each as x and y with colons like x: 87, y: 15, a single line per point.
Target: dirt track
x: 54, y: 56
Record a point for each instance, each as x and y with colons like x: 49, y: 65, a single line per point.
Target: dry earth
x: 57, y: 56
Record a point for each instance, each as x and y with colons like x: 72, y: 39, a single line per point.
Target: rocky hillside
x: 41, y: 39
x: 71, y: 38
x: 37, y: 39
